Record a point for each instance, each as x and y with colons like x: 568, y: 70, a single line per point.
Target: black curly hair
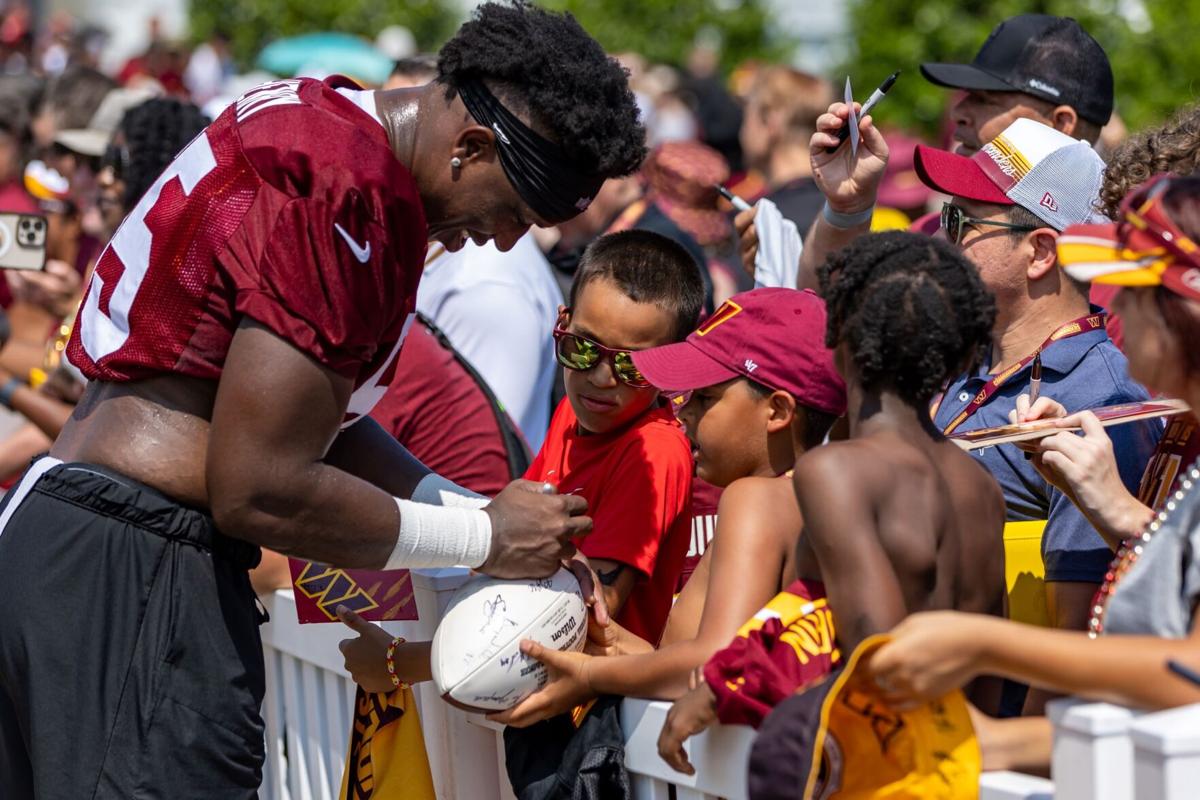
x: 546, y: 66
x: 154, y: 132
x: 912, y: 310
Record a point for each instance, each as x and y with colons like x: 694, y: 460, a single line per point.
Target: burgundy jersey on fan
x: 289, y: 209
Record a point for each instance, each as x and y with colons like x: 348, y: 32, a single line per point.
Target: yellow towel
x: 387, y: 759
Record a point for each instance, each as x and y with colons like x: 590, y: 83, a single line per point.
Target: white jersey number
x: 103, y: 334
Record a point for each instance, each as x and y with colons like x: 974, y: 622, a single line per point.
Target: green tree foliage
x: 1151, y: 43
x: 251, y: 24
x: 664, y: 30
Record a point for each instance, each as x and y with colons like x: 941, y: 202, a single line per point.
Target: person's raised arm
x: 849, y: 182
x: 276, y: 418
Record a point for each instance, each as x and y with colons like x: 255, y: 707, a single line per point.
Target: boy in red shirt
x: 611, y: 440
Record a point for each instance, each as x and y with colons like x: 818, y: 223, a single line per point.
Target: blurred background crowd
x: 95, y: 99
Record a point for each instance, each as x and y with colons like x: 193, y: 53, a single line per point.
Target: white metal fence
x: 1101, y: 751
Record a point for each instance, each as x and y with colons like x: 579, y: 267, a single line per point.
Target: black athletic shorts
x: 130, y: 659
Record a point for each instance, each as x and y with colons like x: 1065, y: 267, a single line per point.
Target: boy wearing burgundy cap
x: 763, y: 389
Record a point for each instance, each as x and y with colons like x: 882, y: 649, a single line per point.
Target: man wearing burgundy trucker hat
x: 1011, y: 199
x: 1032, y: 66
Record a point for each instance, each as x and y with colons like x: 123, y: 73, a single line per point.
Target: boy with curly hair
x: 896, y: 518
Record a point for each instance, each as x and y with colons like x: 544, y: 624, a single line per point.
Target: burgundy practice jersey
x: 289, y: 209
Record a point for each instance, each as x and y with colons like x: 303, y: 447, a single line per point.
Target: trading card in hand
x: 1041, y: 428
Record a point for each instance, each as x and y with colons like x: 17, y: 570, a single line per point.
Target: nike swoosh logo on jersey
x: 360, y: 252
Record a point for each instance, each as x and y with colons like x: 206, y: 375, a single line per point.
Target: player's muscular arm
x: 840, y: 526
x: 276, y: 415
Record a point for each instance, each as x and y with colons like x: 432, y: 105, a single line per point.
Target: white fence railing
x: 309, y: 699
x: 1101, y: 751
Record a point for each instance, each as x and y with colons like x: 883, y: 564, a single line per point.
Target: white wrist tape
x: 435, y: 490
x: 440, y: 536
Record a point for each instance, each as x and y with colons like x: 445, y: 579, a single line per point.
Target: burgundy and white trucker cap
x: 1031, y: 165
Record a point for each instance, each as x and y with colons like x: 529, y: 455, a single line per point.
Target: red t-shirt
x: 705, y: 499
x: 437, y: 410
x: 638, y: 484
x: 290, y: 209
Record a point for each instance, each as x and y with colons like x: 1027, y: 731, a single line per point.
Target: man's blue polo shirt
x: 1084, y: 371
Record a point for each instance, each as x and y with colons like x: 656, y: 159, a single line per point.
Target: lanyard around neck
x: 1073, y: 328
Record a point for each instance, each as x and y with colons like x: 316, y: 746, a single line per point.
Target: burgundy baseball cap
x: 773, y: 336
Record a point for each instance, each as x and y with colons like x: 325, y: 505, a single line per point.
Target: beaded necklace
x: 1131, y: 550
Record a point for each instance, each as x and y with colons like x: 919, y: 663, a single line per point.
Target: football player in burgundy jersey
x: 240, y: 325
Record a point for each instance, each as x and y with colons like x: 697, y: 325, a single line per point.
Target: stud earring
x: 455, y: 162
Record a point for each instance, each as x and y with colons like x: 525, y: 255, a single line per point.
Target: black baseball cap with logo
x: 1051, y: 58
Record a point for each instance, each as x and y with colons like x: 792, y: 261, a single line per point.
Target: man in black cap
x: 1034, y: 66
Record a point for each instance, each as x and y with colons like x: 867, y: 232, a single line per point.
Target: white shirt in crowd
x: 498, y: 310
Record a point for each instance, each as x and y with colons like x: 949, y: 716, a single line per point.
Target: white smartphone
x: 22, y: 241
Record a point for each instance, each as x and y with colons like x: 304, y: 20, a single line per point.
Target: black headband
x: 537, y: 168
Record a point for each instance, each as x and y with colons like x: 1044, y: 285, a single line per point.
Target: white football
x: 477, y: 659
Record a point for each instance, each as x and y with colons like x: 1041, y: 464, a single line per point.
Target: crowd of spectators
x: 1077, y: 541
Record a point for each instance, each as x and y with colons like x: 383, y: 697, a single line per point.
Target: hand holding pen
x: 738, y: 203
x: 844, y: 133
x: 747, y: 234
x: 849, y: 182
x: 1035, y: 378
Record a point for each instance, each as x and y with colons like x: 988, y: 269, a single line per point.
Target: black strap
x: 516, y: 451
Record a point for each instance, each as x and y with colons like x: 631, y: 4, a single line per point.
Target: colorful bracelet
x: 391, y: 665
